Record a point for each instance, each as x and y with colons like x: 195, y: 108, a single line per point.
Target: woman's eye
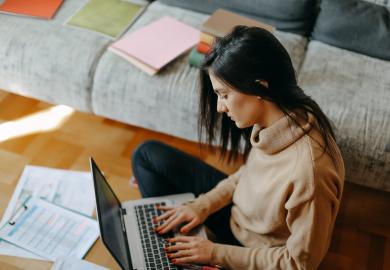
x: 222, y: 95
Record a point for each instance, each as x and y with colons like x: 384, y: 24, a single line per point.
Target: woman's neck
x: 272, y: 114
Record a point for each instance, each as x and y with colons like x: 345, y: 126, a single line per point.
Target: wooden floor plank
x: 386, y: 259
x: 11, y: 164
x: 376, y: 253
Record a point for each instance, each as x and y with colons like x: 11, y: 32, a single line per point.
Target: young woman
x: 278, y: 210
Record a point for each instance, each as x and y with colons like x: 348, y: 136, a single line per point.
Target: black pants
x: 162, y: 170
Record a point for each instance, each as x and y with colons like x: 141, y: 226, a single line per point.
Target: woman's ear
x: 262, y: 82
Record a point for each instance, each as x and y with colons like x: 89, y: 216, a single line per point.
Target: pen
x: 18, y: 212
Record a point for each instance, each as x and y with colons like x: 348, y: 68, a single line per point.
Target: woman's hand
x: 176, y: 216
x: 190, y: 249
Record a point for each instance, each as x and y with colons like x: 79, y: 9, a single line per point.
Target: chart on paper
x: 51, y: 231
x: 71, y: 189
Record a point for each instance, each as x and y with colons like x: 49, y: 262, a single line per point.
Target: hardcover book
x: 221, y: 22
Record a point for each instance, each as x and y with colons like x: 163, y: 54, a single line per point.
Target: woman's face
x: 244, y: 110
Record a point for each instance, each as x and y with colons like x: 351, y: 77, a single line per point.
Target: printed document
x: 50, y: 231
x: 71, y: 189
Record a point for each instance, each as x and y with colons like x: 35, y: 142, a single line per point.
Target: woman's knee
x: 146, y: 159
x: 149, y: 154
x: 144, y: 150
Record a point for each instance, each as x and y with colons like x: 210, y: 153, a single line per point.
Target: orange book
x: 206, y: 38
x: 203, y: 47
x: 45, y: 9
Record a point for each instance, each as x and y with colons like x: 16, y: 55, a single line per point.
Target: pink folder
x: 158, y: 43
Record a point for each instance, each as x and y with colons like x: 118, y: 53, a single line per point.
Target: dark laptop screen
x: 109, y: 216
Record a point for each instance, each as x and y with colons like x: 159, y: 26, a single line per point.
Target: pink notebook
x: 158, y: 43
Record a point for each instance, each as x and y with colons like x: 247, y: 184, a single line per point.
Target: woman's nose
x: 221, y: 107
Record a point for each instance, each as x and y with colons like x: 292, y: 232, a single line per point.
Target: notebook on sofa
x: 44, y: 9
x: 222, y: 21
x: 153, y: 46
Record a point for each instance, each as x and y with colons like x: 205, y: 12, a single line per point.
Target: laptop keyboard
x: 152, y: 242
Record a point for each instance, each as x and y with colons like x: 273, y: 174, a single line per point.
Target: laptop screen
x: 110, y: 220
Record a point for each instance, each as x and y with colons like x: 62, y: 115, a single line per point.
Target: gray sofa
x: 346, y: 72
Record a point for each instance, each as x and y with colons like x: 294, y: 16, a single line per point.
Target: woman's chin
x: 239, y: 125
x: 242, y: 125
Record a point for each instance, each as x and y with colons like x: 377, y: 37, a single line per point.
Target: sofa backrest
x: 361, y: 26
x: 296, y: 16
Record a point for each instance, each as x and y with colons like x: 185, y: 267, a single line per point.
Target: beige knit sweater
x: 285, y: 200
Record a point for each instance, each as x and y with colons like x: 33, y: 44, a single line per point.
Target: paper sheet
x: 50, y: 231
x: 70, y: 189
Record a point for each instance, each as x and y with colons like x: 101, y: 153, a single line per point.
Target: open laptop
x: 127, y: 229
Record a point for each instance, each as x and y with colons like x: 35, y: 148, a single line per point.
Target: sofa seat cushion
x: 354, y: 91
x: 49, y: 61
x: 168, y: 101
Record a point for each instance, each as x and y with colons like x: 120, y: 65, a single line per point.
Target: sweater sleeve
x: 310, y: 224
x: 220, y: 196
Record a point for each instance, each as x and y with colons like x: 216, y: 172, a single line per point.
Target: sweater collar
x: 279, y: 135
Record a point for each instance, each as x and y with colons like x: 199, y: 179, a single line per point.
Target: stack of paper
x: 71, y: 189
x: 108, y: 17
x: 44, y: 9
x: 50, y: 231
x: 155, y: 45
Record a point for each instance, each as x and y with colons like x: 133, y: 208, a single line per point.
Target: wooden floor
x: 33, y: 132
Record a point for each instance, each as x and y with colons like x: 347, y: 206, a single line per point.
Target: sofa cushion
x: 168, y: 101
x: 356, y: 25
x: 295, y: 16
x: 354, y: 91
x: 49, y: 61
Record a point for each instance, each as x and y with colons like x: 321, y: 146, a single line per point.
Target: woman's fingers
x: 165, y: 215
x: 165, y: 208
x: 180, y: 253
x: 166, y: 222
x: 177, y: 247
x: 183, y: 239
x: 170, y: 224
x: 175, y: 216
x: 190, y: 249
x: 184, y: 260
x: 188, y: 227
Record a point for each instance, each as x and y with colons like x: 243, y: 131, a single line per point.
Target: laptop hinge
x: 122, y: 213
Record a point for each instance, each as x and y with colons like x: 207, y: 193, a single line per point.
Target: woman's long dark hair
x: 239, y: 60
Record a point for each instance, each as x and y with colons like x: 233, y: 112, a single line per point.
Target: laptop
x: 127, y: 230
